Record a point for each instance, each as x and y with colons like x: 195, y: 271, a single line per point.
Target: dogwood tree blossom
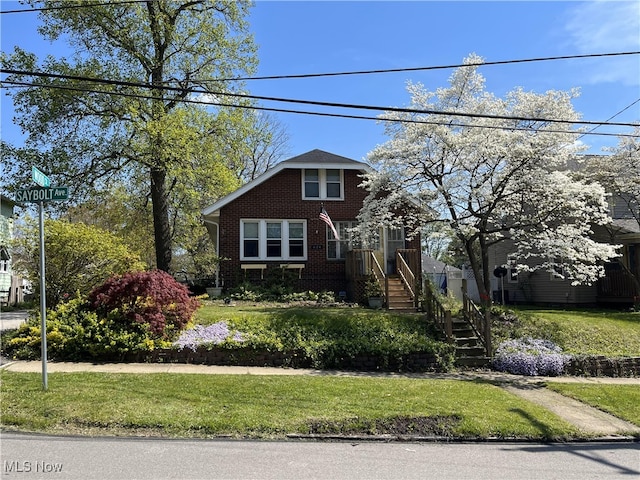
x: 493, y: 169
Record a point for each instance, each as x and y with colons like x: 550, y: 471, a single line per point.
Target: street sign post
x: 39, y: 177
x: 42, y: 194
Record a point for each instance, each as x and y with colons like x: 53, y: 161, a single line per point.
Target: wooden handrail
x: 440, y: 315
x: 406, y: 275
x: 480, y: 322
x: 379, y: 275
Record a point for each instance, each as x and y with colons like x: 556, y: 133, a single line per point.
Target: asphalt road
x: 11, y: 320
x: 36, y: 456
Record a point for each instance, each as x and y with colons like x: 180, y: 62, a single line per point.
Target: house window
x: 296, y: 239
x: 334, y: 183
x: 337, y: 249
x: 311, y: 183
x: 273, y: 240
x: 250, y: 242
x: 322, y: 184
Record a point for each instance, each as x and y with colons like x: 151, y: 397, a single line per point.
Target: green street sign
x: 31, y: 195
x: 40, y: 178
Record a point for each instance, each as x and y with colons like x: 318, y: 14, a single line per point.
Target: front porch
x: 399, y: 280
x: 617, y: 287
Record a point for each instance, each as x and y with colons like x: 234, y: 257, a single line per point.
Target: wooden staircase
x: 398, y: 297
x: 469, y: 349
x: 463, y: 331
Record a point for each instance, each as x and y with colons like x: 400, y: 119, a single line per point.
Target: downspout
x: 216, y: 246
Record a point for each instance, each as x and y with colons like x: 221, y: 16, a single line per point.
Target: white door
x: 395, y: 241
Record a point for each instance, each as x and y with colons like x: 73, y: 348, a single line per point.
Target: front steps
x: 399, y: 298
x: 469, y: 349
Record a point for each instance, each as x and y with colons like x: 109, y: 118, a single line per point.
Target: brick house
x: 272, y: 225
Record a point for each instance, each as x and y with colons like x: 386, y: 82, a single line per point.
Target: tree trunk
x: 161, y: 229
x: 479, y: 268
x: 484, y: 252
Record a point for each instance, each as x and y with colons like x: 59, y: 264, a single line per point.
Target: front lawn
x: 578, y: 331
x: 620, y: 400
x: 246, y: 406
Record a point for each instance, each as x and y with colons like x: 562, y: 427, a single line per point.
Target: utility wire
x: 322, y: 114
x: 416, y: 69
x: 345, y: 73
x: 69, y: 6
x: 185, y: 91
x: 610, y: 118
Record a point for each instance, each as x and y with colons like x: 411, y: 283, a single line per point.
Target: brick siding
x: 280, y: 197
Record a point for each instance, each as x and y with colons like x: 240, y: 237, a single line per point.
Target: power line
x: 437, y: 67
x: 322, y: 114
x: 345, y: 73
x: 70, y: 6
x: 185, y: 91
x: 610, y: 118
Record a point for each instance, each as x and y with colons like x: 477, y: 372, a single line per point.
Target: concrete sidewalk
x: 11, y: 320
x: 592, y: 422
x: 471, y: 375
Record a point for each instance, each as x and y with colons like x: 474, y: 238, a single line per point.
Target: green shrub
x: 329, y: 340
x: 79, y: 257
x: 76, y: 333
x: 277, y: 293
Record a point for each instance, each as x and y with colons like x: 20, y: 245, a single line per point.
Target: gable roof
x: 313, y: 159
x: 431, y: 265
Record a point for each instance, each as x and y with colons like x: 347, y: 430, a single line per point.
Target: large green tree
x: 142, y: 128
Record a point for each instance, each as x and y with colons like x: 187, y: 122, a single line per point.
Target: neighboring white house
x: 11, y: 286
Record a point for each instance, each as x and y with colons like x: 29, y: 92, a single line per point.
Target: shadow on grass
x: 545, y: 431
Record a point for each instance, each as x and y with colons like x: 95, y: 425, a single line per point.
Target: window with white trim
x: 322, y: 184
x: 337, y: 249
x: 250, y: 240
x: 273, y: 239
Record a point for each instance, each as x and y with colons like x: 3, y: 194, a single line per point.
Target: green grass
x: 264, y: 406
x: 622, y: 401
x: 582, y: 332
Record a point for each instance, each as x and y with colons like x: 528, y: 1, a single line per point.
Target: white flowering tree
x: 493, y: 169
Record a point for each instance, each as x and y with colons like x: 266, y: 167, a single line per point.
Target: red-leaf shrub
x: 153, y: 298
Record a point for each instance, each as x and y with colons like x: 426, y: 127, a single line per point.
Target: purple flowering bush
x: 210, y: 335
x: 528, y: 356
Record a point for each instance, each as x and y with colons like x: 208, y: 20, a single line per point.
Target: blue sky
x: 296, y: 37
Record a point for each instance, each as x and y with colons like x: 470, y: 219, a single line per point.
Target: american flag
x: 324, y: 216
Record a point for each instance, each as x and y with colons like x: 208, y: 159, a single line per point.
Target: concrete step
x: 462, y: 352
x: 472, y: 361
